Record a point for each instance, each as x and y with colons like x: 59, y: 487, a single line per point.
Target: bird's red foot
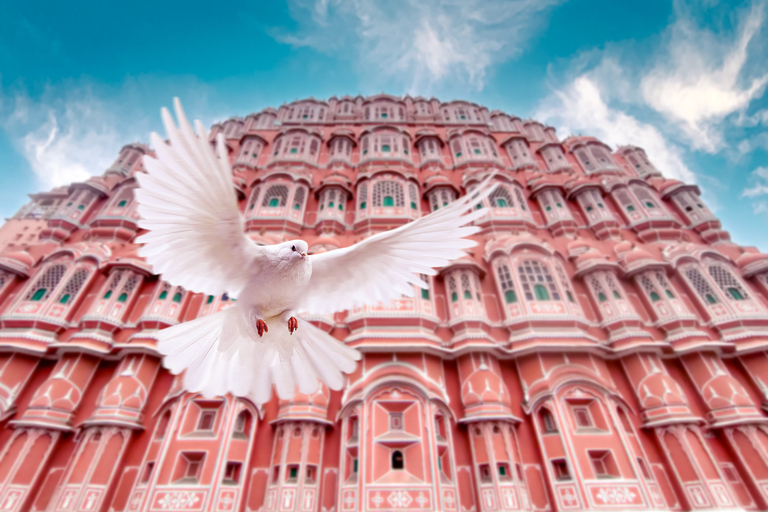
x: 261, y: 327
x: 293, y: 324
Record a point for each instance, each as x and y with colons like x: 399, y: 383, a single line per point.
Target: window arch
x: 692, y: 207
x: 121, y: 202
x: 519, y: 154
x: 441, y: 197
x: 555, y: 158
x: 118, y: 289
x: 298, y: 198
x: 465, y: 294
x: 473, y: 147
x: 554, y: 206
x: 701, y: 285
x: 640, y: 162
x: 593, y: 205
x: 242, y: 424
x: 249, y: 152
x: 254, y: 198
x: 429, y: 149
x: 388, y: 194
x: 413, y: 196
x: 507, y: 286
x: 276, y: 196
x: 47, y: 283
x: 547, y: 421
x: 386, y: 144
x: 728, y: 283
x: 297, y: 146
x: 501, y: 198
x: 333, y: 201
x: 362, y: 196
x: 536, y: 281
x: 341, y: 149
x: 398, y: 461
x: 594, y: 157
x: 659, y: 293
x: 162, y: 425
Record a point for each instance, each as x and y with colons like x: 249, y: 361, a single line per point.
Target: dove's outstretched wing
x: 385, y: 266
x: 187, y: 201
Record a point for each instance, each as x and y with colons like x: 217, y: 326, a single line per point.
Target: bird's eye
x: 293, y: 248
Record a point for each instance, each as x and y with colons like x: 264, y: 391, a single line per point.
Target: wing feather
x: 187, y: 202
x: 387, y: 265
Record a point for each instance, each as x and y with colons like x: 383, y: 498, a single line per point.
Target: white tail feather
x: 220, y: 355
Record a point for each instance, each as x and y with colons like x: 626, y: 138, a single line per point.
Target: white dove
x: 196, y: 240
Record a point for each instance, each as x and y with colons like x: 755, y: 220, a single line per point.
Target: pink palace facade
x: 602, y: 348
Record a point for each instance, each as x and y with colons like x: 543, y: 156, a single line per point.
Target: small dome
x: 622, y: 247
x: 22, y: 257
x: 750, y: 257
x: 482, y: 387
x: 637, y: 255
x: 591, y: 255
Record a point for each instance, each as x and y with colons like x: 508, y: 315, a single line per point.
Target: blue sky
x: 687, y: 81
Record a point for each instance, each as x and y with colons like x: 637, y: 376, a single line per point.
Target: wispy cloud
x: 64, y: 138
x: 419, y: 43
x: 75, y: 130
x: 701, y: 77
x: 758, y: 184
x: 581, y: 107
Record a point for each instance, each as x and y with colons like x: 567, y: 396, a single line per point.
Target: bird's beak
x: 303, y: 255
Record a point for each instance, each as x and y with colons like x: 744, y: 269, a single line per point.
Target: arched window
x: 520, y: 198
x: 162, y: 426
x: 593, y: 206
x: 537, y: 281
x: 597, y: 288
x: 45, y: 285
x: 298, y: 198
x: 429, y: 149
x: 398, y: 462
x: 276, y: 196
x: 452, y: 290
x: 73, y: 286
x: 362, y: 195
x: 586, y: 160
x: 727, y: 282
x: 654, y: 284
x: 519, y: 153
x: 501, y: 198
x: 555, y: 158
x: 507, y: 286
x: 547, y: 421
x: 413, y: 196
x: 242, y: 423
x: 441, y: 197
x: 388, y: 193
x: 701, y: 285
x: 254, y: 198
x: 164, y: 291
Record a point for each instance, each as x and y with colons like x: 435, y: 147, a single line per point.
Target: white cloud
x: 419, y: 42
x: 75, y: 130
x: 759, y: 184
x: 759, y: 117
x: 581, y: 107
x: 64, y: 140
x: 701, y: 78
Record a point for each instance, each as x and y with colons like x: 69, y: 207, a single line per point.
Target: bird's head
x: 294, y: 250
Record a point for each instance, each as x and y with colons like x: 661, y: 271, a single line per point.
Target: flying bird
x: 196, y: 240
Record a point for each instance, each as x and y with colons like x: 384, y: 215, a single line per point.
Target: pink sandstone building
x: 602, y: 348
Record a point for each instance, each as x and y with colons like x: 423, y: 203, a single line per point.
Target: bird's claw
x: 261, y: 327
x: 293, y: 324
